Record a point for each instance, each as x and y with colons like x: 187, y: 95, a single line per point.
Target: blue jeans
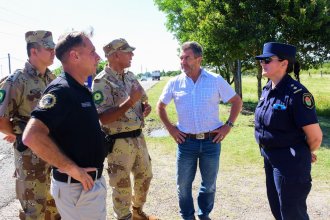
x: 206, y: 154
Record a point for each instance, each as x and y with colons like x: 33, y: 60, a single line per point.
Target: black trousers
x: 288, y: 182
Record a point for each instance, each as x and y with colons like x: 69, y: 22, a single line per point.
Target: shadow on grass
x: 323, y: 112
x: 249, y: 107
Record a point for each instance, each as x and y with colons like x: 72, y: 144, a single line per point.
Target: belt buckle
x: 200, y: 136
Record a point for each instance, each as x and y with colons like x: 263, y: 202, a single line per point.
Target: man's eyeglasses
x: 267, y: 60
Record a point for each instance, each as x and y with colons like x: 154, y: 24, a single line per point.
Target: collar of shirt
x: 281, y: 86
x: 202, y: 74
x: 72, y: 82
x: 115, y: 74
x: 284, y: 81
x: 30, y: 69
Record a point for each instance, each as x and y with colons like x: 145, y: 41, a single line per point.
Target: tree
x: 58, y: 71
x: 101, y: 66
x: 232, y: 30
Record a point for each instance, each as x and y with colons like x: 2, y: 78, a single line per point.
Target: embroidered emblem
x: 308, y: 100
x: 98, y: 97
x: 2, y: 95
x: 47, y: 101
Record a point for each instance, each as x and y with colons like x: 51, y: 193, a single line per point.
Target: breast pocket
x: 279, y: 119
x: 117, y: 96
x: 181, y: 96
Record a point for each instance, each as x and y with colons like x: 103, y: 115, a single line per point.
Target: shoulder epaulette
x: 296, y: 88
x: 14, y: 76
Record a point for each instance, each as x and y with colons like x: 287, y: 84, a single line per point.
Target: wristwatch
x: 229, y: 123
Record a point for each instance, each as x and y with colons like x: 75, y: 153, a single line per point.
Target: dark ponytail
x: 295, y: 67
x: 296, y: 70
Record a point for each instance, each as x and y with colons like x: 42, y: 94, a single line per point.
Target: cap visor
x: 265, y: 55
x: 50, y: 45
x: 129, y: 49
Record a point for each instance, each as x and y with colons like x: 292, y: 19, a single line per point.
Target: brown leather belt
x: 202, y: 136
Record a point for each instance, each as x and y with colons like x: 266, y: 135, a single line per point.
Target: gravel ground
x: 238, y: 196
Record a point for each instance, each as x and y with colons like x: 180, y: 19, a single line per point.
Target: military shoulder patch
x: 2, y: 95
x: 98, y: 97
x: 47, y: 101
x: 308, y: 100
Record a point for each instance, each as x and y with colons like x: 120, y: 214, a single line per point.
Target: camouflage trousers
x: 32, y: 187
x: 129, y: 155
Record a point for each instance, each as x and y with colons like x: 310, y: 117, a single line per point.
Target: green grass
x: 240, y: 148
x: 317, y: 85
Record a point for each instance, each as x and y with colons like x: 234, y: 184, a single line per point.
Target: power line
x: 10, y: 22
x: 18, y: 59
x: 13, y: 12
x: 10, y: 34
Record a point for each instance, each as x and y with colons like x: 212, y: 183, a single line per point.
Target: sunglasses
x: 267, y: 60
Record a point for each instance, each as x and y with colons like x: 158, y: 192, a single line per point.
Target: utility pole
x: 9, y: 63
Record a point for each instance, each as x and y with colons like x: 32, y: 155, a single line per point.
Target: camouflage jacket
x: 20, y: 93
x: 110, y: 89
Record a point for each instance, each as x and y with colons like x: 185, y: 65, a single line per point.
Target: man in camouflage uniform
x: 122, y: 105
x: 19, y: 94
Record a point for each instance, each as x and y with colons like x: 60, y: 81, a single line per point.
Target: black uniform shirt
x: 282, y: 112
x: 68, y: 110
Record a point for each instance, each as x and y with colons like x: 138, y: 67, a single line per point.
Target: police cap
x: 282, y: 51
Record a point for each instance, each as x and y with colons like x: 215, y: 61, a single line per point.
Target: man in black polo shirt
x: 64, y: 131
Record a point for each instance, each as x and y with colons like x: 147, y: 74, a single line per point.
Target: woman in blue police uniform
x: 287, y: 131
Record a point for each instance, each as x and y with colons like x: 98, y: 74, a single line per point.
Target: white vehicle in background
x: 143, y: 78
x: 155, y: 75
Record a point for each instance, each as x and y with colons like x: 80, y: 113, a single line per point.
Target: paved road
x: 8, y: 204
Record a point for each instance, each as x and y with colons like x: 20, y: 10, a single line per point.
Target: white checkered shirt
x: 197, y: 104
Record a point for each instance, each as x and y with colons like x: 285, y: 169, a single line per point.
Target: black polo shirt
x: 282, y: 112
x: 68, y: 110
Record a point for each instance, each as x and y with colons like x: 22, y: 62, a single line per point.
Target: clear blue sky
x: 138, y: 21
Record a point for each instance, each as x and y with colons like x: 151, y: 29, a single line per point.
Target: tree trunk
x: 259, y: 76
x: 238, y: 79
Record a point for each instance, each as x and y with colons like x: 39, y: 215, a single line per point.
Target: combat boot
x: 138, y: 214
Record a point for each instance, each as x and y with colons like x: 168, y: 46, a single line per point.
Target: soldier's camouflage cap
x: 44, y: 38
x: 116, y: 45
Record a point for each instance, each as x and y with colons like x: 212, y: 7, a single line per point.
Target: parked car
x: 144, y: 78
